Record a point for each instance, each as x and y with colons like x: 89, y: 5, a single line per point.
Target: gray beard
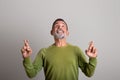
x: 58, y: 35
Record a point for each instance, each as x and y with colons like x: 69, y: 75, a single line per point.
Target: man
x: 61, y: 60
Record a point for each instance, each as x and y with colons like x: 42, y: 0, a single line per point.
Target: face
x: 59, y: 31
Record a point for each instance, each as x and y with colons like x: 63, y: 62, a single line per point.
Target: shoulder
x: 44, y: 50
x: 76, y: 48
x: 41, y: 52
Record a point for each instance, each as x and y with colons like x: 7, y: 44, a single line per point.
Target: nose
x: 59, y: 27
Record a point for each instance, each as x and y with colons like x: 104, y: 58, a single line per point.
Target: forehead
x: 60, y: 22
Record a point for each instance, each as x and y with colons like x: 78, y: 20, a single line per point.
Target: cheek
x: 54, y: 29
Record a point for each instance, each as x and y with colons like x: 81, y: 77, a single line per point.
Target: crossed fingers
x: 26, y: 48
x: 91, y: 51
x: 91, y: 47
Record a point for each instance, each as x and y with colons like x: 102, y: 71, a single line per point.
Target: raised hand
x: 91, y: 51
x: 26, y: 50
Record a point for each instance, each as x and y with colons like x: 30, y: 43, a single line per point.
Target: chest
x: 61, y: 57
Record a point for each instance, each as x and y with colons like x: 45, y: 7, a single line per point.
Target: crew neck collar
x: 61, y: 46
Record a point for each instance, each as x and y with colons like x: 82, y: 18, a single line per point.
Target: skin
x: 60, y: 25
x: 91, y: 52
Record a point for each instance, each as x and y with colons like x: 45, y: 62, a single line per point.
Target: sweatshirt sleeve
x: 32, y: 68
x: 87, y: 66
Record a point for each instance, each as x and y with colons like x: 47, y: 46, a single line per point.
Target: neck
x: 60, y: 42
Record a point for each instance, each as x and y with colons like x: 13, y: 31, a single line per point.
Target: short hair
x: 59, y: 19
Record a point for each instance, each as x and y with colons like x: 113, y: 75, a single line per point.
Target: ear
x: 67, y: 33
x: 51, y: 32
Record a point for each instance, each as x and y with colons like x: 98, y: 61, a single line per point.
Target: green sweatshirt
x: 60, y: 63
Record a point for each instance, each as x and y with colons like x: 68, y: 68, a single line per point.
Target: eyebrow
x: 55, y: 23
x: 62, y: 23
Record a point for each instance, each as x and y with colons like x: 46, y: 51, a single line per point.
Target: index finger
x: 26, y: 43
x: 90, y: 45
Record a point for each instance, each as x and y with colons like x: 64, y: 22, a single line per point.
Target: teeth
x: 59, y: 31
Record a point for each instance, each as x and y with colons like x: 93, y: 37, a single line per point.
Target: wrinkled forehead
x: 59, y: 22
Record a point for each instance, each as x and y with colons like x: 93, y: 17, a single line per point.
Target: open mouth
x: 59, y: 34
x: 60, y: 31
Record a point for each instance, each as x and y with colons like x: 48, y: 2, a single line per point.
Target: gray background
x: 97, y: 20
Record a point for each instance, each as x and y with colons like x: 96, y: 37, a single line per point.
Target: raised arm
x: 88, y: 67
x: 31, y: 68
